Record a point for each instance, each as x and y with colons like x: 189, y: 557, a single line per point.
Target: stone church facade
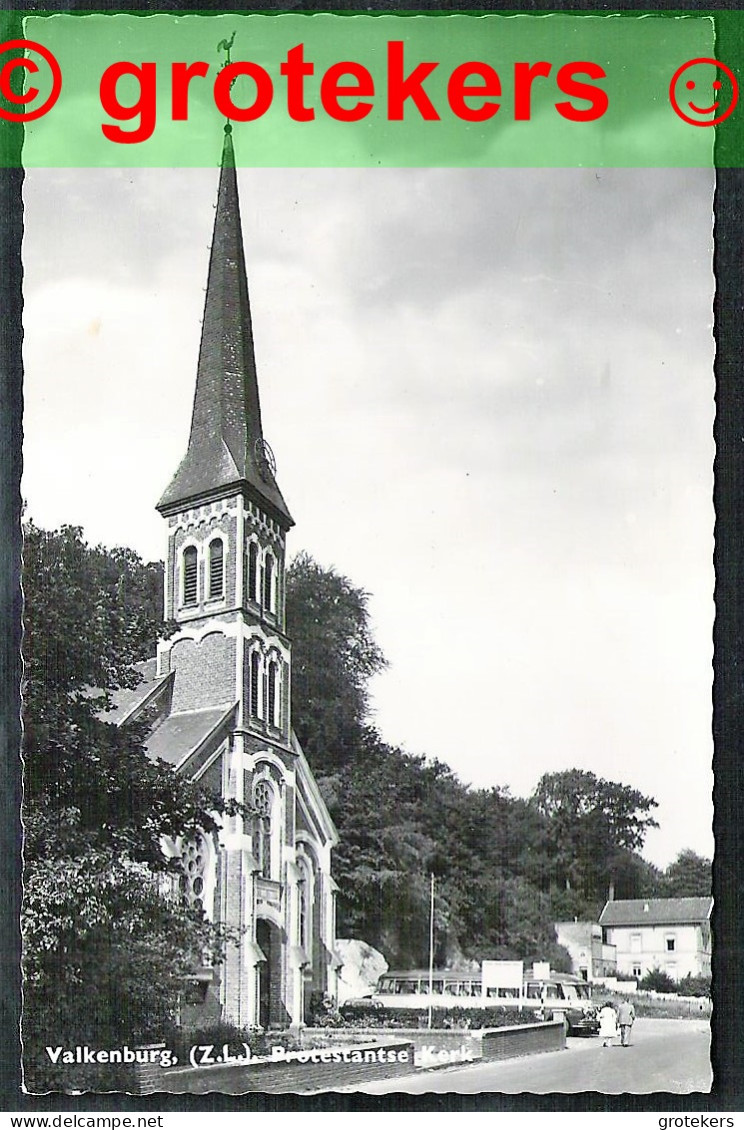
x: 217, y: 697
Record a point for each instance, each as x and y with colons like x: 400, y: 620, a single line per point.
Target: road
x: 664, y: 1055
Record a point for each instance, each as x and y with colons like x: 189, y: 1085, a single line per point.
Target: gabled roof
x: 656, y: 912
x: 181, y: 735
x: 128, y: 702
x: 226, y: 444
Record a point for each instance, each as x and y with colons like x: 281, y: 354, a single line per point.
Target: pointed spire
x: 226, y: 443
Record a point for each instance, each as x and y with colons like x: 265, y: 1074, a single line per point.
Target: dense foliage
x: 108, y: 940
x: 689, y: 876
x: 333, y: 658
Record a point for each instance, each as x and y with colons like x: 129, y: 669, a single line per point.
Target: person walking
x: 607, y: 1024
x: 625, y: 1018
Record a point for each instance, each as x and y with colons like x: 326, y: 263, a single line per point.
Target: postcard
x: 368, y: 554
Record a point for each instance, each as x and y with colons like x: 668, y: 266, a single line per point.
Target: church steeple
x: 226, y: 450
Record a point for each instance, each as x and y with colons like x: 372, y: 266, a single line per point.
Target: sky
x: 490, y: 397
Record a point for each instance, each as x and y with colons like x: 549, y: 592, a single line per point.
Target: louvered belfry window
x: 271, y: 713
x: 189, y: 575
x: 216, y: 572
x: 255, y: 673
x: 252, y: 569
x: 268, y: 582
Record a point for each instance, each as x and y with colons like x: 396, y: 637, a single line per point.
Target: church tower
x: 218, y: 700
x: 227, y: 520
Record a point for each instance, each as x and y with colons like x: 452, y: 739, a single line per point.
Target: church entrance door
x: 271, y: 1011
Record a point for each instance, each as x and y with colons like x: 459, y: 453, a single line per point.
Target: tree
x: 592, y: 823
x: 334, y: 656
x: 108, y: 938
x: 108, y: 954
x: 689, y: 876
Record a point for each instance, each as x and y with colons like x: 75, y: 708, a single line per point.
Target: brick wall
x: 528, y: 1039
x: 205, y: 672
x: 281, y: 1077
x: 432, y: 1048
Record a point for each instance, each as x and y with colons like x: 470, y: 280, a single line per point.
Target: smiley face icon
x: 703, y: 92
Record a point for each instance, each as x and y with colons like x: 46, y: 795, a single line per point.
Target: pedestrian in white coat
x: 607, y: 1024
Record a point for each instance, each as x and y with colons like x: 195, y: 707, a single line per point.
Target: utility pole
x: 431, y: 947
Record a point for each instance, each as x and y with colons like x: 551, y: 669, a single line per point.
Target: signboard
x: 502, y: 975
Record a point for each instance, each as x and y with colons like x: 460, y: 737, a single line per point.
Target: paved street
x: 665, y: 1055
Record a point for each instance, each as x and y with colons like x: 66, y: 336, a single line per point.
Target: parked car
x: 561, y: 994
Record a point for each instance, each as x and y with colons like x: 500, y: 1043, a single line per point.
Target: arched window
x: 272, y: 693
x: 252, y: 571
x: 255, y: 683
x: 305, y: 906
x: 268, y: 593
x: 190, y: 575
x: 194, y: 857
x: 263, y: 803
x: 216, y: 569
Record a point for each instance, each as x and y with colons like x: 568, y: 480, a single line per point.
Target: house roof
x: 183, y: 733
x: 226, y: 448
x: 655, y: 912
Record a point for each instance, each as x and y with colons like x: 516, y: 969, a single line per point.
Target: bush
x: 322, y: 1012
x: 360, y: 1015
x: 691, y: 986
x: 181, y: 1040
x: 656, y: 980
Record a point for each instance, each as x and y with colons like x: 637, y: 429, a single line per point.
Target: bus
x: 557, y: 995
x: 408, y: 989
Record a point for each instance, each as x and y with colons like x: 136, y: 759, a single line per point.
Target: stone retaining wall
x: 328, y: 1068
x: 434, y: 1047
x: 527, y: 1039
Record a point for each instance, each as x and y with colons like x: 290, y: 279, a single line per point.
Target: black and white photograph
x: 368, y: 580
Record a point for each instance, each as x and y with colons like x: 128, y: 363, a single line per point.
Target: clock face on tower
x: 265, y: 460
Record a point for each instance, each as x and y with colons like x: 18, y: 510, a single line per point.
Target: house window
x: 216, y: 569
x: 636, y: 971
x: 635, y: 943
x: 263, y: 802
x: 273, y: 679
x: 255, y: 683
x: 190, y: 575
x: 252, y: 571
x: 268, y: 593
x: 670, y: 943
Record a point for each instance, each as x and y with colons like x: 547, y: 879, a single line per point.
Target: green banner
x: 550, y: 89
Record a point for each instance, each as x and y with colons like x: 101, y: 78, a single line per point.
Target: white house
x: 672, y: 935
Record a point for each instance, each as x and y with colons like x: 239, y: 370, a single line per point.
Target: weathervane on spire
x: 225, y: 46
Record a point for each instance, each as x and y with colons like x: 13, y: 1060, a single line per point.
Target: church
x: 216, y: 700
